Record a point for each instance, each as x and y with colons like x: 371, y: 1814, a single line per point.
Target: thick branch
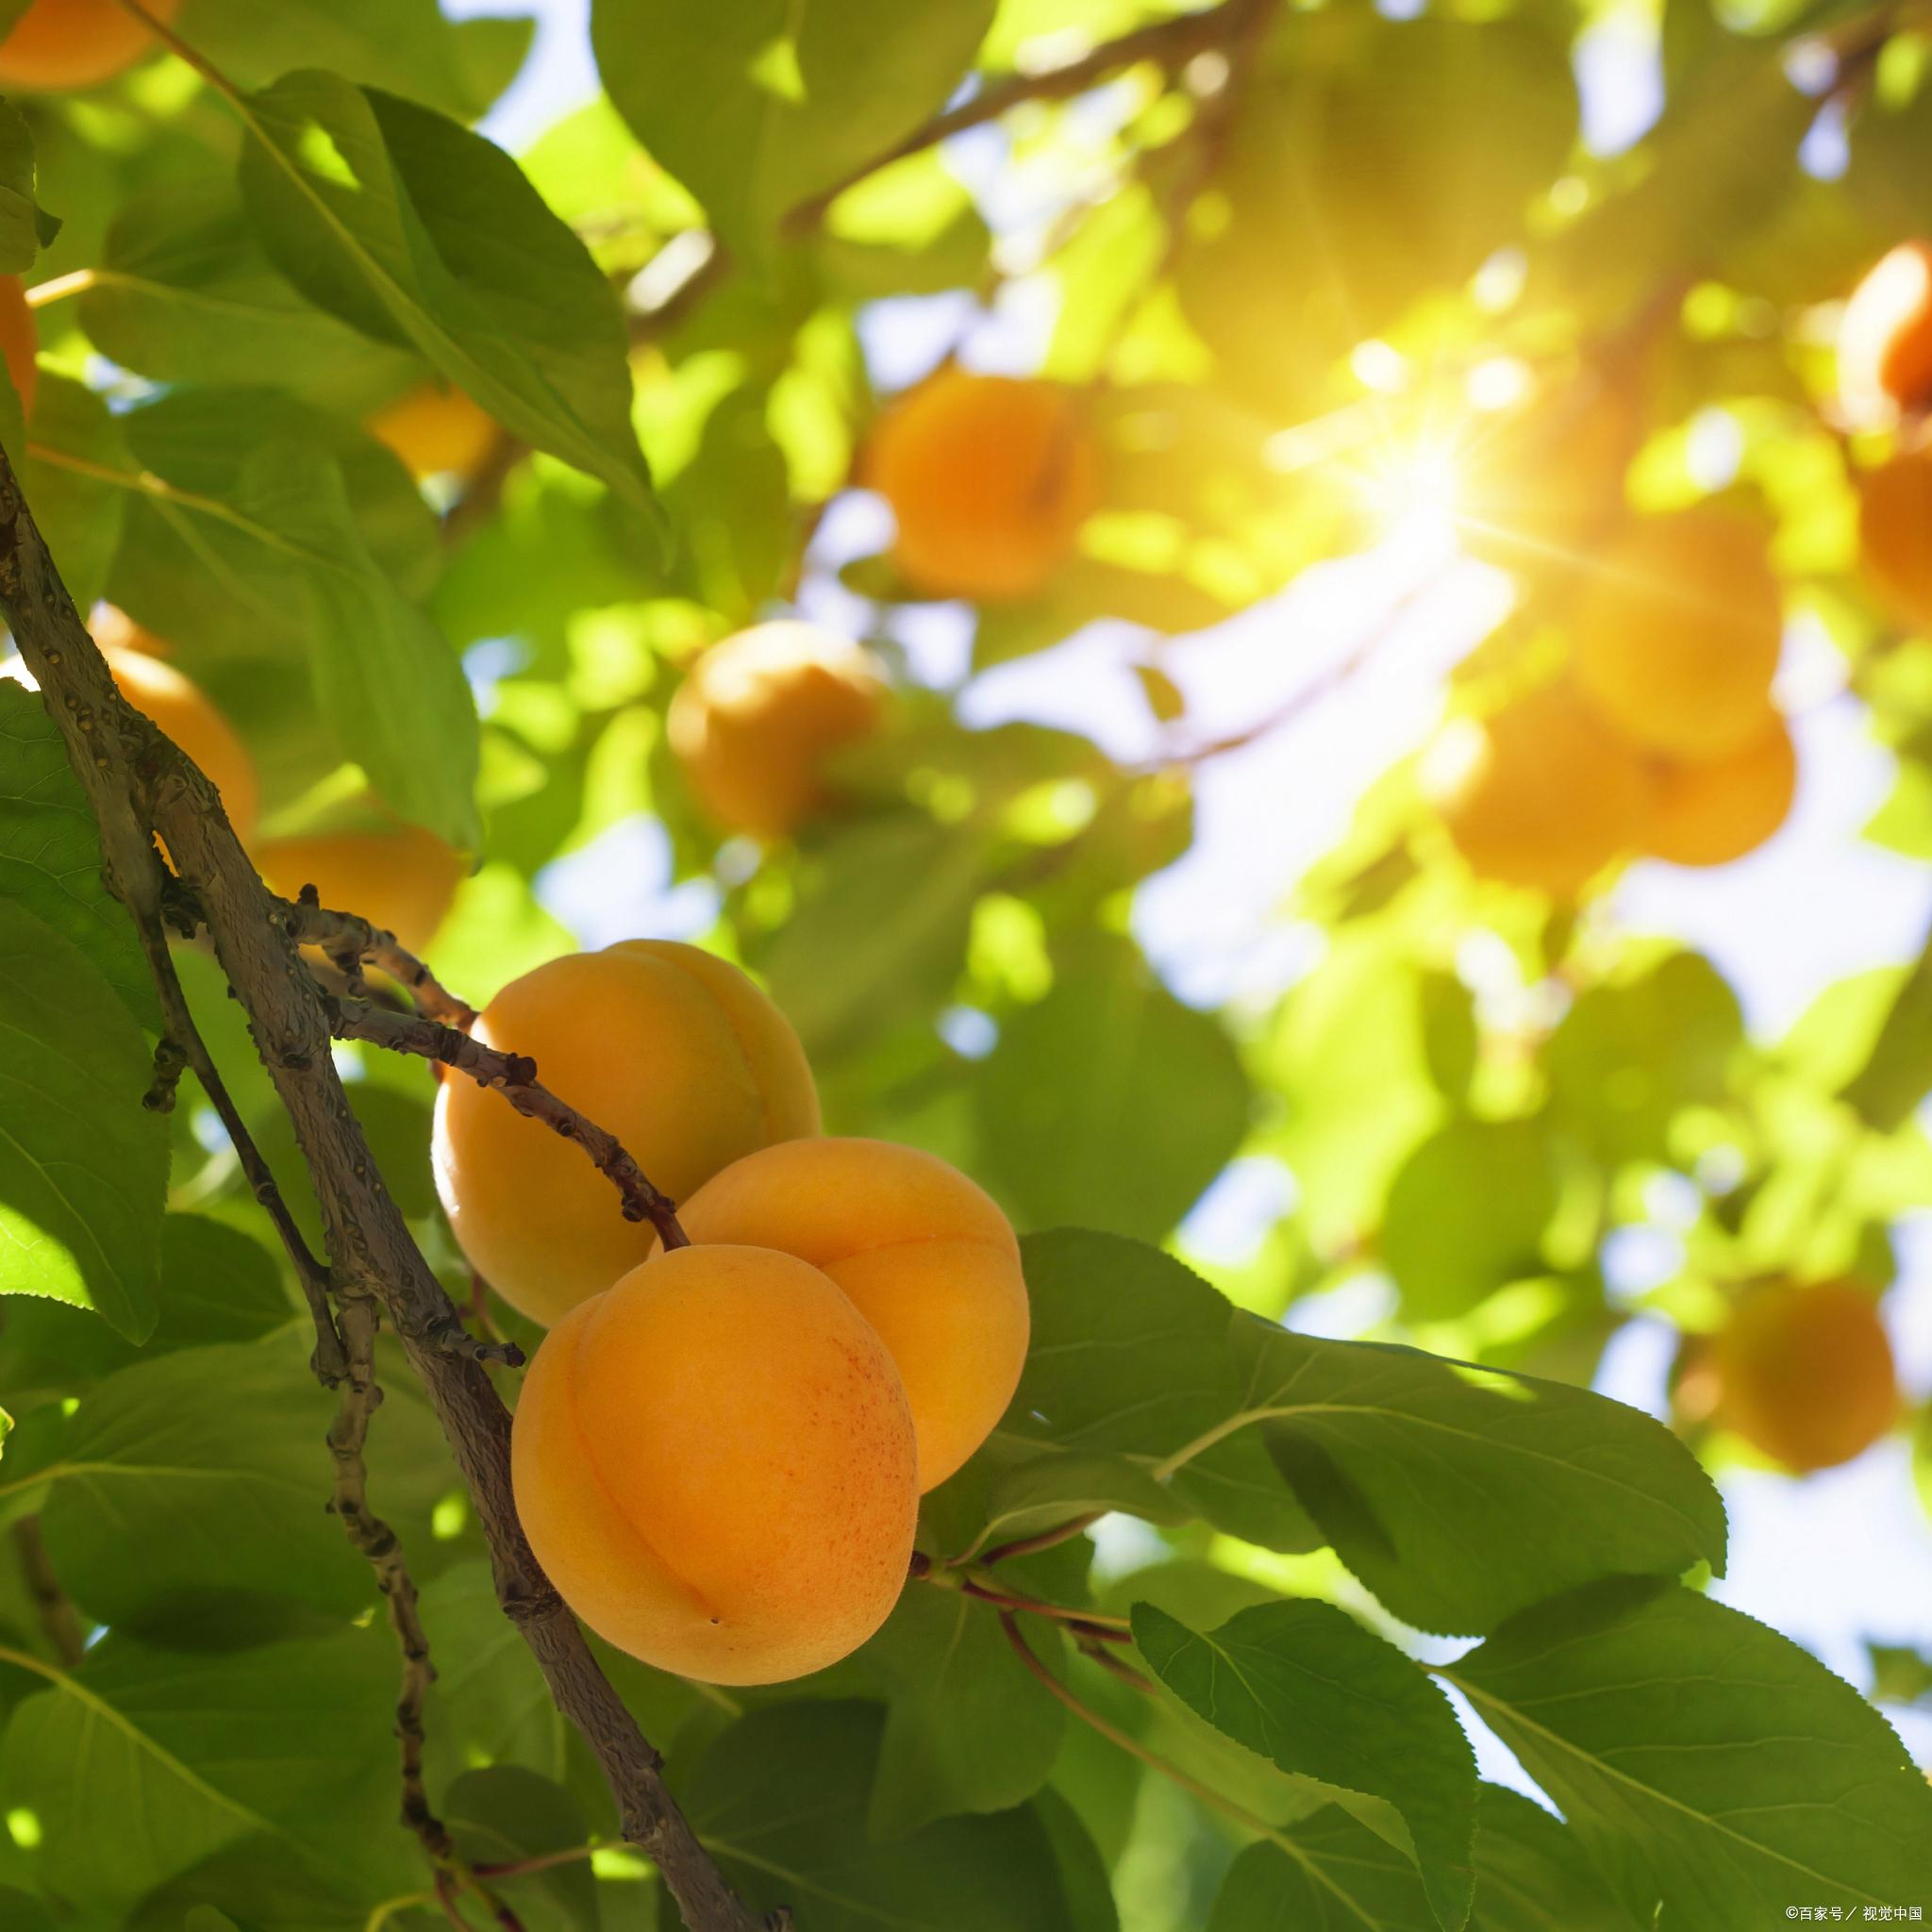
x: 515, y: 1077
x: 139, y: 783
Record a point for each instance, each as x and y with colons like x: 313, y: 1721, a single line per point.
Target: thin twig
x: 60, y: 1621
x: 1084, y: 1622
x: 1028, y: 1545
x: 346, y: 935
x: 515, y: 1076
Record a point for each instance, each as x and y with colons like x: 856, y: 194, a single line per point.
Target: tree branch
x: 60, y: 1621
x: 514, y: 1076
x: 138, y: 783
x: 351, y: 942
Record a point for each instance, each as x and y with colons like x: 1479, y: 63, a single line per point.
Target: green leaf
x: 26, y: 227
x: 1109, y: 1104
x: 1894, y: 1079
x: 83, y: 1165
x: 80, y: 511
x: 1304, y: 1686
x: 1727, y: 1762
x: 1460, y: 1496
x: 781, y: 1800
x: 188, y: 1753
x: 758, y: 107
x: 50, y: 851
x: 416, y: 230
x: 969, y: 1727
x: 1532, y: 1871
x: 506, y: 1815
x: 198, y: 1471
x: 1129, y: 1359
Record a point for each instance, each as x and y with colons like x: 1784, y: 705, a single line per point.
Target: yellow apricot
x: 714, y: 1462
x: 989, y: 477
x: 1895, y: 534
x: 19, y: 342
x: 1677, y: 628
x: 1805, y: 1373
x: 1541, y: 793
x: 437, y: 430
x: 402, y: 878
x: 1717, y: 809
x: 674, y: 1051
x: 1885, y: 336
x: 924, y: 1253
x: 757, y: 715
x: 73, y: 44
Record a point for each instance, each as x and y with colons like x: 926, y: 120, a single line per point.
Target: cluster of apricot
x: 1661, y: 738
x: 719, y: 1450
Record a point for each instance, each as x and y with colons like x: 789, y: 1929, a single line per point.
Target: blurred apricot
x: 989, y: 478
x: 924, y: 1253
x: 714, y: 1463
x: 756, y: 716
x: 75, y: 43
x: 1895, y: 534
x: 1678, y: 626
x: 1713, y: 811
x: 1539, y: 487
x: 1806, y: 1373
x: 402, y: 878
x: 672, y: 1049
x: 436, y: 429
x: 1885, y: 338
x: 19, y: 342
x: 1541, y: 793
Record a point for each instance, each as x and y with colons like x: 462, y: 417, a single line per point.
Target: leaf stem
x: 1087, y: 1623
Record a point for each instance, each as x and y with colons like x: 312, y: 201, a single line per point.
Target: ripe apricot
x: 74, y: 43
x: 402, y: 878
x: 1895, y: 534
x: 926, y: 1256
x: 1678, y: 628
x: 1541, y: 793
x: 1885, y: 336
x: 1805, y: 1373
x: 757, y: 715
x: 436, y: 429
x: 990, y: 479
x: 714, y: 1462
x: 1717, y: 809
x: 19, y: 342
x: 674, y: 1051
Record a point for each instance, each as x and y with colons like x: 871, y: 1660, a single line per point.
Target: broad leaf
x: 1727, y: 1762
x: 506, y: 1815
x: 26, y: 227
x: 416, y: 230
x: 83, y: 1165
x: 50, y: 851
x: 1304, y: 1686
x: 757, y: 107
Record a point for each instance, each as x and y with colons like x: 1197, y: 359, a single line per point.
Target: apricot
x: 989, y: 479
x: 1885, y: 338
x: 757, y: 715
x: 1806, y: 1374
x: 436, y: 429
x: 674, y: 1051
x: 402, y: 878
x: 74, y: 43
x: 924, y: 1253
x: 19, y: 342
x: 714, y: 1462
x: 1895, y: 534
x: 1541, y: 793
x: 1678, y: 628
x: 1718, y: 810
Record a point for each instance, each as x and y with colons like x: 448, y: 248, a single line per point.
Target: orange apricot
x: 1541, y: 793
x: 402, y: 878
x: 714, y: 1462
x: 1885, y: 338
x: 1805, y: 1373
x: 989, y: 479
x: 673, y: 1050
x: 1678, y: 628
x: 757, y: 715
x: 924, y: 1253
x: 75, y: 43
x: 1895, y: 534
x: 1717, y: 809
x: 19, y: 342
x: 436, y: 429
